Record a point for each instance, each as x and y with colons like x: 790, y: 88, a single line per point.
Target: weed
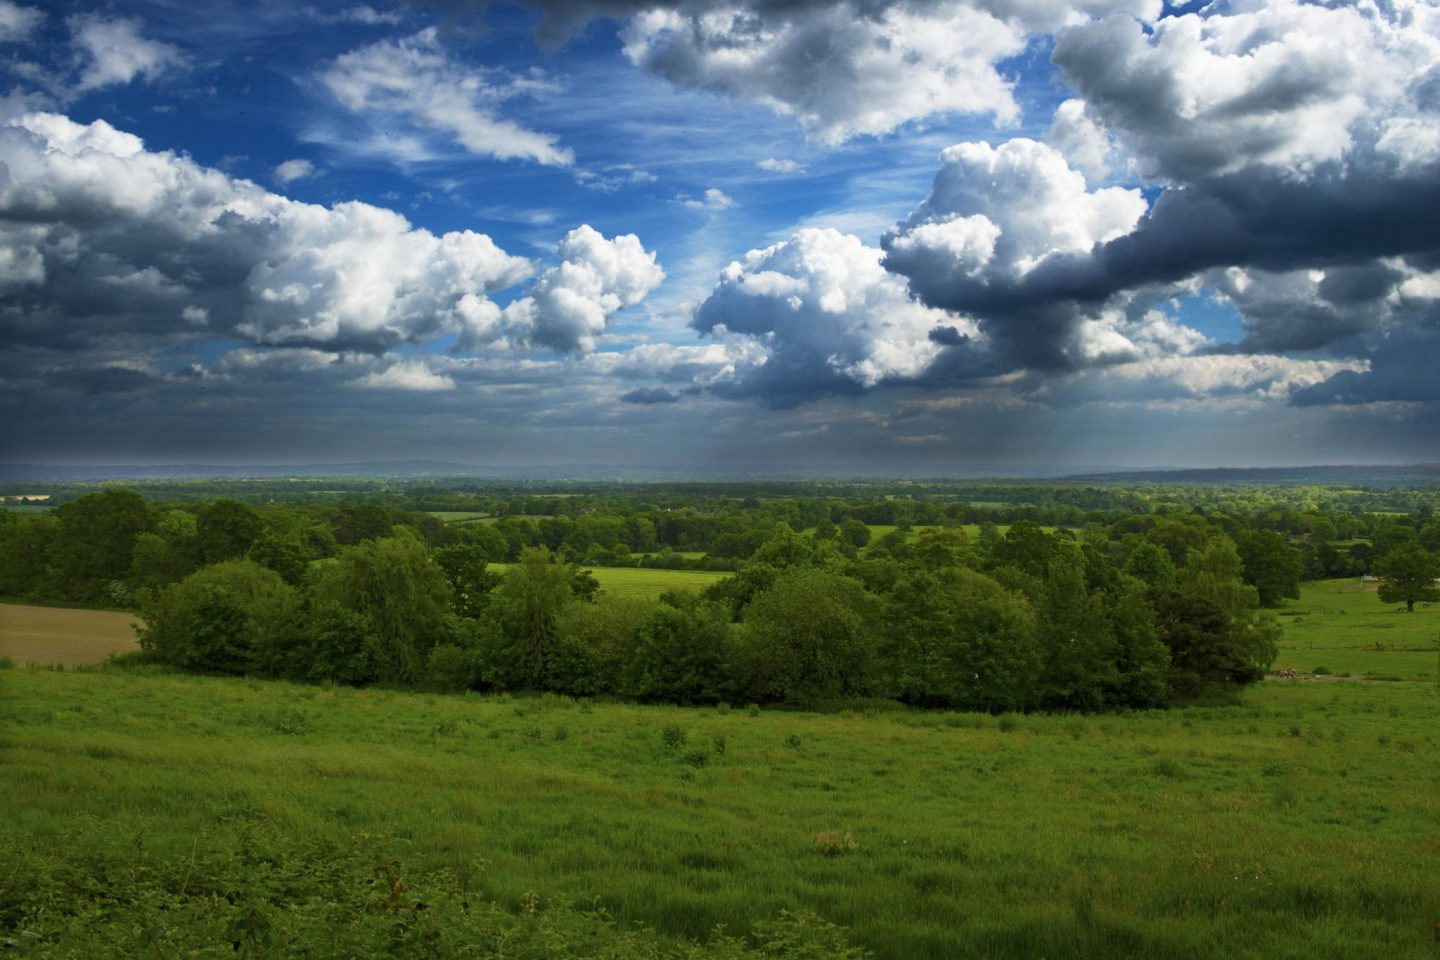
x: 673, y: 736
x: 833, y: 843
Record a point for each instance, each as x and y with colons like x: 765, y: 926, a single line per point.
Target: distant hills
x: 1412, y: 475
x: 1406, y: 475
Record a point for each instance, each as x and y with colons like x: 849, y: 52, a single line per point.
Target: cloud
x: 569, y: 306
x: 105, y: 239
x: 411, y: 374
x: 780, y: 166
x: 1284, y: 83
x: 292, y: 170
x: 413, y: 81
x: 714, y: 199
x: 649, y: 396
x: 114, y: 52
x: 840, y: 73
x: 994, y: 216
x: 844, y: 69
x: 827, y: 315
x: 17, y: 23
x: 363, y: 14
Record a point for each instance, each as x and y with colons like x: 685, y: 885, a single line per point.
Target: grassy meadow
x: 1299, y: 823
x: 1343, y: 629
x: 157, y: 813
x: 644, y: 582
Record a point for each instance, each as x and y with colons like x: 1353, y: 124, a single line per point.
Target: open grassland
x: 644, y: 582
x: 1300, y: 823
x: 460, y: 516
x: 1345, y: 629
x: 52, y: 635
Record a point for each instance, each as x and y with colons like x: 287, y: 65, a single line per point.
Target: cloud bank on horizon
x: 752, y: 233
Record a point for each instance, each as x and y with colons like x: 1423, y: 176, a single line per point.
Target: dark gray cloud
x: 648, y: 396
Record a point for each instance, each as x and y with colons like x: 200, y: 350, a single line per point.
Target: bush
x: 232, y: 617
x: 452, y: 669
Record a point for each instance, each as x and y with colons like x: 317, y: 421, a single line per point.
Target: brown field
x: 71, y: 637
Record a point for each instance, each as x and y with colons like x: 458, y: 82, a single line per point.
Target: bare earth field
x: 48, y: 635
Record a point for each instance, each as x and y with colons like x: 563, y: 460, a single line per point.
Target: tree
x: 806, y: 638
x: 399, y: 590
x: 679, y: 652
x: 531, y: 604
x: 1272, y: 565
x: 95, y: 540
x: 1407, y: 573
x: 854, y: 532
x: 226, y: 529
x: 1152, y: 564
x: 232, y: 617
x: 959, y: 639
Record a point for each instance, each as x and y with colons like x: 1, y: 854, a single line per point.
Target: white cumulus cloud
x: 107, y: 238
x: 292, y: 170
x: 116, y: 53
x: 570, y: 304
x: 828, y: 316
x: 411, y: 374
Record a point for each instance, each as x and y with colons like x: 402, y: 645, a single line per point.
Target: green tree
x: 95, y: 539
x: 1407, y: 573
x: 854, y: 532
x: 1272, y: 565
x: 957, y: 638
x: 25, y: 547
x: 680, y: 652
x: 226, y: 529
x: 807, y: 638
x: 531, y: 604
x: 232, y: 617
x: 402, y: 593
x: 1152, y: 564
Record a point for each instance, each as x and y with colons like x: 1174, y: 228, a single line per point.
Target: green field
x: 1299, y: 824
x: 460, y: 516
x: 1337, y: 625
x: 645, y: 582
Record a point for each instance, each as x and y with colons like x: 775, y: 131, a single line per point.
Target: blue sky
x: 929, y: 236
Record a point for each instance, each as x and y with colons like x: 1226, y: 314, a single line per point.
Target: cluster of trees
x: 1039, y: 621
x: 1154, y: 607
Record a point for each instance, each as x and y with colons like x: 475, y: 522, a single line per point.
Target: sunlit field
x: 52, y: 635
x: 1342, y: 629
x: 1297, y: 823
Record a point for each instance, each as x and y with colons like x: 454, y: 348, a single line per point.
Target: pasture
x: 644, y: 582
x: 1345, y: 629
x: 54, y: 635
x: 1298, y: 823
x: 460, y: 516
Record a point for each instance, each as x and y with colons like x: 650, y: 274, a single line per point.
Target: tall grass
x: 1299, y: 823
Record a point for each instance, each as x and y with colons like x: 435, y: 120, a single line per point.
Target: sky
x: 945, y: 237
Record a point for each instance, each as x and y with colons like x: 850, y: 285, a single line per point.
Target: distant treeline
x: 1146, y: 609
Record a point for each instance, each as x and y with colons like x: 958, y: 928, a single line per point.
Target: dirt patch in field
x: 72, y: 637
